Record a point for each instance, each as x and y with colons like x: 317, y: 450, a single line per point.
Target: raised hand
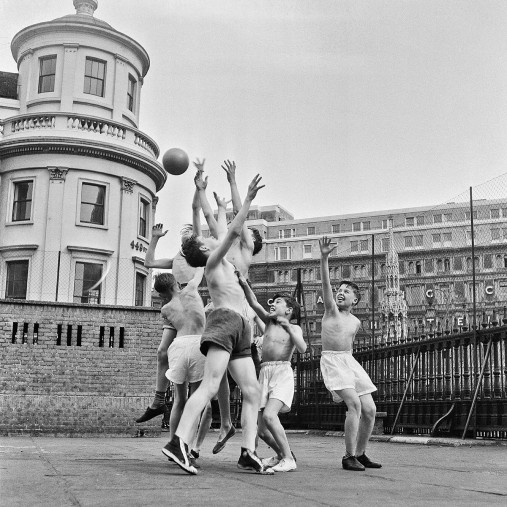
x: 326, y: 247
x: 254, y: 187
x: 230, y: 168
x: 199, y: 164
x: 157, y: 231
x: 200, y: 183
x: 221, y: 203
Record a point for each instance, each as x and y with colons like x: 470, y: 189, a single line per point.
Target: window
x: 87, y: 283
x: 409, y: 221
x: 287, y: 233
x: 420, y: 220
x: 354, y: 246
x: 95, y: 75
x: 92, y: 204
x: 335, y: 228
x: 131, y: 93
x: 418, y: 241
x: 447, y: 265
x: 310, y: 231
x: 428, y: 265
x: 408, y: 242
x: 47, y: 71
x: 282, y: 253
x: 140, y: 289
x: 356, y: 226
x: 143, y: 217
x: 495, y: 235
x: 384, y: 244
x: 447, y: 236
x: 366, y: 226
x: 22, y: 203
x: 495, y: 213
x: 447, y: 217
x: 436, y: 238
x: 458, y: 263
x: 469, y: 236
x: 307, y: 251
x: 364, y: 245
x: 467, y: 215
x: 418, y: 268
x: 437, y: 219
x: 386, y: 223
x: 17, y: 279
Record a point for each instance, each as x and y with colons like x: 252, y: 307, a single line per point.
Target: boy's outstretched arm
x: 196, y: 216
x: 201, y: 185
x: 326, y: 247
x: 150, y: 262
x: 252, y: 299
x: 221, y: 215
x: 230, y: 168
x: 235, y: 228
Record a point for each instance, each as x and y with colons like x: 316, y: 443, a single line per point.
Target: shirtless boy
x: 184, y: 323
x: 276, y: 377
x: 225, y: 343
x: 343, y: 376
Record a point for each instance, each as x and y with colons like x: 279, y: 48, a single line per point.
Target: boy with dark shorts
x: 343, y: 376
x: 225, y: 342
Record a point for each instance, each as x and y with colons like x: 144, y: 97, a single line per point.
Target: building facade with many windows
x: 78, y: 179
x: 433, y: 249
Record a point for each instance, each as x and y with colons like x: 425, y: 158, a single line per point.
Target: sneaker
x: 367, y: 462
x: 193, y: 461
x: 250, y: 461
x: 270, y: 462
x: 178, y: 451
x: 285, y: 465
x: 351, y: 463
x: 151, y: 413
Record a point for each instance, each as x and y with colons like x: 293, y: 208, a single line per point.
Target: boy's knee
x: 369, y: 411
x: 269, y: 418
x: 251, y: 392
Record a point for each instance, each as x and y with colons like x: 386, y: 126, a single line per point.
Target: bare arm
x: 196, y: 217
x: 150, y: 262
x: 169, y: 335
x: 295, y: 333
x: 326, y: 248
x: 230, y: 168
x: 222, y: 215
x: 235, y: 228
x: 201, y: 185
x: 196, y: 279
x: 252, y: 300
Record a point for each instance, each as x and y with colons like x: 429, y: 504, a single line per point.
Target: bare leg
x: 215, y: 366
x: 224, y: 402
x: 180, y: 398
x: 368, y: 411
x: 243, y: 372
x: 204, y: 426
x: 277, y: 433
x: 353, y: 403
x: 265, y: 435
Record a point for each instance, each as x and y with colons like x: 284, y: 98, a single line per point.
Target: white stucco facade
x: 78, y: 179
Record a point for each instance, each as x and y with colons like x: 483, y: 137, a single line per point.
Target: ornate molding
x: 57, y: 173
x: 127, y: 185
x: 154, y: 203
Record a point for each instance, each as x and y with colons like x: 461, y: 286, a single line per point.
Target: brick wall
x: 58, y: 386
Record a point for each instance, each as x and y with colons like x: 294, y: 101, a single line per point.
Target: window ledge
x: 10, y: 248
x: 19, y: 222
x: 87, y: 249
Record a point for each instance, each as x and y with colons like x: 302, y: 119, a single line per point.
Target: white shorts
x: 277, y: 381
x: 341, y: 371
x: 186, y: 362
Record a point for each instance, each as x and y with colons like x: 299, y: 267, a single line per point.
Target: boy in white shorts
x: 276, y: 376
x: 184, y: 320
x: 343, y: 376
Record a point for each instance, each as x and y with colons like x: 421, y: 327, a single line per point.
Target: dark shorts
x: 228, y: 330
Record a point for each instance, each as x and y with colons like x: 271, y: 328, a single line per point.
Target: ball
x: 175, y: 161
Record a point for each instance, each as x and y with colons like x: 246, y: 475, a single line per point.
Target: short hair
x: 257, y: 239
x: 191, y: 250
x: 291, y: 303
x: 354, y: 288
x: 164, y: 283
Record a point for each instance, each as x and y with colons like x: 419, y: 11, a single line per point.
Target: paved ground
x: 124, y: 472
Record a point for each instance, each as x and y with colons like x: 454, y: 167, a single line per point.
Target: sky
x: 342, y: 106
